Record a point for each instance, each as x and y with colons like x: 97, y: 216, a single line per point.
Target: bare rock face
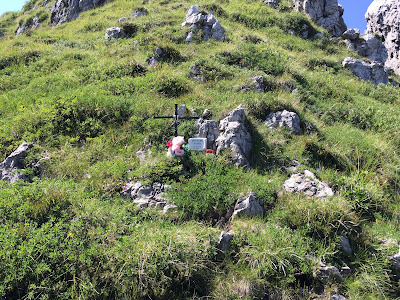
x: 375, y: 72
x: 33, y: 25
x: 235, y: 137
x: 206, y: 23
x: 368, y: 45
x: 67, y: 10
x: 308, y: 184
x: 383, y: 18
x: 14, y: 162
x: 327, y: 13
x: 208, y: 129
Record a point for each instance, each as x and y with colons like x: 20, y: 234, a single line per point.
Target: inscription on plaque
x: 198, y: 144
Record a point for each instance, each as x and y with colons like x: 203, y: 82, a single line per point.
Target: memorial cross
x: 175, y: 118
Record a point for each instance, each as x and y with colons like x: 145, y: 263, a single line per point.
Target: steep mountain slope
x: 87, y: 103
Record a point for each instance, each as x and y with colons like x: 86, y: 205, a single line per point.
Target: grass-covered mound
x: 87, y: 104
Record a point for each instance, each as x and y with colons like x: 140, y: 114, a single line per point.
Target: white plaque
x: 198, y: 144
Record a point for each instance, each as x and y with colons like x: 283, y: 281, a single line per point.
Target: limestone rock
x: 114, y: 33
x: 326, y: 13
x: 329, y: 273
x: 396, y: 265
x: 235, y: 137
x: 284, y: 118
x: 208, y: 129
x: 14, y: 162
x: 375, y: 72
x: 67, y: 10
x: 122, y: 20
x: 345, y: 245
x: 21, y: 29
x: 257, y: 82
x: 351, y: 34
x: 383, y: 18
x: 338, y: 297
x: 248, y: 206
x: 309, y: 185
x: 207, y: 23
x: 140, y: 12
x: 272, y: 3
x: 368, y: 46
x: 224, y: 241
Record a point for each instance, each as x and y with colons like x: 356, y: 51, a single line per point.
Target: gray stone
x: 396, y: 264
x: 224, y: 241
x: 319, y: 35
x: 345, y: 245
x: 195, y: 73
x: 345, y: 271
x: 14, y: 162
x: 272, y: 3
x: 257, y: 82
x: 326, y: 13
x: 338, y: 297
x: 351, y: 34
x: 383, y: 18
x: 67, y: 10
x: 22, y: 29
x: 123, y: 19
x: 248, y: 206
x: 235, y: 137
x: 368, y: 46
x: 310, y: 186
x: 284, y: 118
x: 168, y: 207
x: 208, y: 129
x: 206, y: 114
x: 329, y: 273
x: 182, y: 110
x: 374, y: 72
x: 140, y: 13
x: 207, y: 23
x: 114, y: 33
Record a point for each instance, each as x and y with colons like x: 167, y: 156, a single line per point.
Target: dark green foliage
x: 29, y: 5
x: 94, y: 27
x: 319, y: 156
x: 171, y: 86
x: 316, y: 63
x: 129, y: 29
x: 212, y: 71
x: 24, y: 58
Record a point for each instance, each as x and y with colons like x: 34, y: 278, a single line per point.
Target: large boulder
x: 308, y: 184
x: 284, y: 118
x: 235, y: 137
x: 14, y: 162
x: 208, y: 129
x: 383, y: 18
x: 327, y: 13
x: 368, y: 45
x: 375, y: 72
x: 114, y: 33
x: 206, y: 23
x: 67, y: 10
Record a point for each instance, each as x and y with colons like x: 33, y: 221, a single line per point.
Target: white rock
x: 374, y: 72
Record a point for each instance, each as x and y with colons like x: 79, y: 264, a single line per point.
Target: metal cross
x: 175, y: 118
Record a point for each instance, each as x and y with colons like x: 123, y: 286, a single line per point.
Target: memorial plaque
x: 198, y: 144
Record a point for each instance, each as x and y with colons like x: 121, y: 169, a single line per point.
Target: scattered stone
x: 374, y: 72
x: 67, y: 10
x: 208, y: 129
x: 14, y: 162
x: 235, y: 137
x: 345, y: 271
x: 329, y: 273
x: 351, y: 34
x: 345, y: 245
x: 224, y: 241
x: 182, y: 110
x: 206, y: 23
x: 383, y: 18
x: 309, y: 185
x: 284, y: 118
x: 122, y: 20
x: 195, y: 73
x: 272, y: 3
x: 248, y: 206
x: 337, y: 297
x: 114, y: 33
x: 326, y: 13
x: 148, y: 196
x: 319, y: 35
x: 140, y: 12
x: 257, y: 82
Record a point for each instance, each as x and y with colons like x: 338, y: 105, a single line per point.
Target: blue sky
x: 354, y: 10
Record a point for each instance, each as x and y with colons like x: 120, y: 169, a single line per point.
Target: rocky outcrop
x: 383, y: 18
x: 114, y: 33
x: 224, y: 241
x: 67, y: 10
x: 308, y: 184
x: 329, y: 273
x: 235, y: 137
x: 206, y: 24
x: 208, y: 129
x: 284, y: 118
x: 29, y: 25
x: 148, y: 196
x: 368, y: 45
x: 327, y: 13
x: 374, y: 72
x: 14, y: 162
x: 248, y: 206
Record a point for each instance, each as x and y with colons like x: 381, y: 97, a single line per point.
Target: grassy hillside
x: 87, y: 104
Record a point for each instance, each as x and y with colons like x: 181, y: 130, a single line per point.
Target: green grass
x: 87, y: 103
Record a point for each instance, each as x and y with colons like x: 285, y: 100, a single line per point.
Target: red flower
x: 169, y: 144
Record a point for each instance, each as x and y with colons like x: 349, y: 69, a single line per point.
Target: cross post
x: 175, y: 118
